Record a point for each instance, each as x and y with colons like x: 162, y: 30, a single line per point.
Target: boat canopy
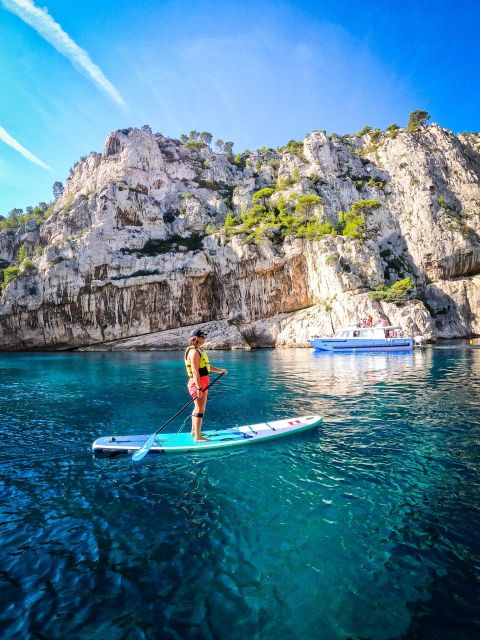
x: 380, y: 331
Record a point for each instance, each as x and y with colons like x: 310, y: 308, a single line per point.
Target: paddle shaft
x: 142, y: 452
x: 187, y: 405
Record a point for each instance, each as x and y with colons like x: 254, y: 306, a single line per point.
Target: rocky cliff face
x: 136, y: 245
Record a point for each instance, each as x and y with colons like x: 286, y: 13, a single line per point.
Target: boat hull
x: 362, y: 344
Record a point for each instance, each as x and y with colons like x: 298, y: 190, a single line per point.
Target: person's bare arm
x: 217, y: 370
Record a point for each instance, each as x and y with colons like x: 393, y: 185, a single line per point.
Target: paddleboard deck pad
x: 216, y: 439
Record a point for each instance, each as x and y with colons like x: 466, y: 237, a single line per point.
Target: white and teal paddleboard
x: 217, y: 439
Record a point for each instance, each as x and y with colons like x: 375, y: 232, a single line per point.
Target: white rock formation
x: 134, y: 250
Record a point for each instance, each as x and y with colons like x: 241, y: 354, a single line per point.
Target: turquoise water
x: 364, y: 528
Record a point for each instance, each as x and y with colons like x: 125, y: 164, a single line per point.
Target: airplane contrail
x: 45, y: 25
x: 7, y: 138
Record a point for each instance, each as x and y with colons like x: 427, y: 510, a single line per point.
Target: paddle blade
x: 144, y: 449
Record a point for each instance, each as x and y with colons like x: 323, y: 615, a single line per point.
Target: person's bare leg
x: 196, y: 409
x: 196, y: 421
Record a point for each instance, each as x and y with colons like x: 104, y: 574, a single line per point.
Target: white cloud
x: 46, y: 26
x: 7, y: 138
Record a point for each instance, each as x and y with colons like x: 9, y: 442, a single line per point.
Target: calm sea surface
x: 368, y: 527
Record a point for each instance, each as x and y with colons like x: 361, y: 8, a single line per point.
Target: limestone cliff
x: 137, y: 244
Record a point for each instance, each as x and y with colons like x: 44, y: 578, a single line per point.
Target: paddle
x: 145, y: 448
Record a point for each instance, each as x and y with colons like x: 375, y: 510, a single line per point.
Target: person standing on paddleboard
x: 198, y: 370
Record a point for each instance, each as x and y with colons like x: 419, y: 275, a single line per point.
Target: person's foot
x: 200, y: 439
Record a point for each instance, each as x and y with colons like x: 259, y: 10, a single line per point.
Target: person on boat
x: 198, y: 369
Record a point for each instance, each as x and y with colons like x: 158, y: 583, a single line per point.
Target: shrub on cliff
x: 293, y: 146
x: 9, y: 274
x: 196, y: 140
x: 316, y: 230
x: 366, y: 129
x: 417, y: 119
x: 305, y: 206
x: 263, y: 195
x: 397, y: 292
x: 295, y: 217
x: 446, y: 206
x: 13, y: 220
x: 280, y: 220
x: 240, y: 160
x: 28, y: 267
x: 253, y: 216
x: 16, y: 217
x: 194, y: 145
x: 206, y: 137
x: 392, y: 130
x: 376, y: 182
x: 229, y: 220
x: 228, y: 147
x: 352, y: 223
x: 22, y: 253
x: 284, y: 183
x: 57, y: 189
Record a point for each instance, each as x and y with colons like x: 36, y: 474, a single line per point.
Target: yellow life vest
x: 203, y: 365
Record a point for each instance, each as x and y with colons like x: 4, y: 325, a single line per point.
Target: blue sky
x: 258, y: 73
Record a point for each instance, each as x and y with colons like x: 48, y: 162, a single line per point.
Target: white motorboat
x: 355, y: 338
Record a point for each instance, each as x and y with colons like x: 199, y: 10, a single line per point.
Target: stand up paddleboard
x: 217, y: 439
